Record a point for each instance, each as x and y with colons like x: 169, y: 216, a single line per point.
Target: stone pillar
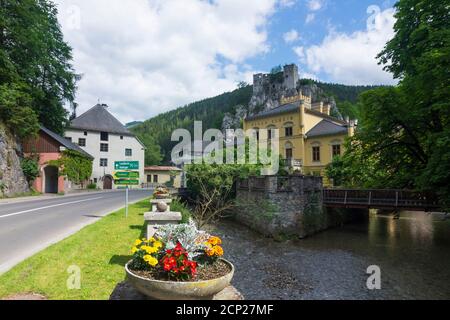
x: 160, y: 215
x: 156, y: 219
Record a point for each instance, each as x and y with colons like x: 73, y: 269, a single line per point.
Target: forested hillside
x: 156, y: 132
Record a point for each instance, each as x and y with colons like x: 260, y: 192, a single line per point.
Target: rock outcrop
x: 12, y: 179
x: 268, y: 89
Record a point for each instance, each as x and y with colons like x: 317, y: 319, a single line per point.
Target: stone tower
x: 291, y: 78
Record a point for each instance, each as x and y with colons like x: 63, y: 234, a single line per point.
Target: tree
x: 74, y: 165
x: 153, y: 154
x: 34, y: 55
x: 16, y: 110
x: 405, y: 131
x: 213, y: 188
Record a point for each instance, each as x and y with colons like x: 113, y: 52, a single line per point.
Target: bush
x: 92, y: 186
x: 30, y: 168
x: 179, y: 206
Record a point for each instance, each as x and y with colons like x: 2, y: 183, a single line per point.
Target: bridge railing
x: 379, y: 198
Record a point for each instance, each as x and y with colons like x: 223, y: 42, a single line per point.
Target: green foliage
x: 16, y: 110
x: 91, y: 186
x: 179, y: 206
x: 403, y: 135
x: 213, y: 187
x: 158, y: 130
x: 334, y: 170
x: 34, y: 57
x: 153, y: 154
x: 74, y: 165
x: 30, y: 168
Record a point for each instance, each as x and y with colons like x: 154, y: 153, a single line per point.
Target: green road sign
x: 126, y: 174
x: 126, y: 182
x: 126, y: 165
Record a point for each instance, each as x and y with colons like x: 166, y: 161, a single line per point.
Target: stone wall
x: 285, y: 207
x: 12, y: 179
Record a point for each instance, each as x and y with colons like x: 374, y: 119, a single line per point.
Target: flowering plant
x: 146, y: 253
x: 176, y: 263
x: 176, y: 251
x: 161, y: 191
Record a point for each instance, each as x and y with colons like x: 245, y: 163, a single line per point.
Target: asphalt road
x: 27, y: 227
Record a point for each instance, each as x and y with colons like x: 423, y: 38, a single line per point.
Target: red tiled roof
x: 161, y: 168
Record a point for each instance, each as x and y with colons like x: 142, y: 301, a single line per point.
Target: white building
x: 100, y: 134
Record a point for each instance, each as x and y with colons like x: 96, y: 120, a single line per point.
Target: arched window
x: 288, y: 150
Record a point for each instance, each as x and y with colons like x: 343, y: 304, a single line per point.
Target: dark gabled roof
x: 99, y: 119
x: 326, y: 127
x: 285, y: 108
x: 66, y: 143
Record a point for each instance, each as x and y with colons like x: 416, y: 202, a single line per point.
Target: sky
x: 145, y: 57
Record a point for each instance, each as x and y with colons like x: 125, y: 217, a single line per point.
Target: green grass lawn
x: 100, y: 250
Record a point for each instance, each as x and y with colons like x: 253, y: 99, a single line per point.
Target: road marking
x: 47, y: 207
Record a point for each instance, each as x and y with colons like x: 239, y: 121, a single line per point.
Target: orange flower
x: 218, y: 251
x: 210, y: 252
x: 215, y: 241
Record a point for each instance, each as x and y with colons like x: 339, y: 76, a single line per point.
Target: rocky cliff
x: 267, y: 95
x: 12, y: 179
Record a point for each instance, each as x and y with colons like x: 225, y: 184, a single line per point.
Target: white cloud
x: 351, y: 58
x: 144, y: 57
x: 314, y: 5
x: 287, y: 3
x: 310, y: 18
x: 291, y: 36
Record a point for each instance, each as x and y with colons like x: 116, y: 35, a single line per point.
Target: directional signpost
x: 125, y: 176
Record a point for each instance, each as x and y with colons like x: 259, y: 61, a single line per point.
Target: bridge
x: 380, y: 199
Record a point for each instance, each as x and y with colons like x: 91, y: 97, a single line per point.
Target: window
x: 85, y: 133
x: 257, y: 135
x: 288, y: 131
x: 149, y: 178
x: 316, y: 154
x: 289, y: 153
x: 82, y: 142
x: 336, y: 150
x: 121, y: 137
x: 104, y: 147
x: 95, y: 180
x: 104, y: 136
x: 155, y: 178
x: 103, y: 162
x: 128, y: 152
x: 69, y: 138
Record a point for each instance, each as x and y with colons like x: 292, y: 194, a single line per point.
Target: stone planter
x: 177, y: 290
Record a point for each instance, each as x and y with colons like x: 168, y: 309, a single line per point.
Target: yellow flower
x: 207, y: 244
x: 150, y: 260
x: 218, y: 251
x: 215, y: 241
x: 134, y: 250
x: 152, y: 239
x: 137, y: 242
x: 157, y: 244
x: 150, y: 250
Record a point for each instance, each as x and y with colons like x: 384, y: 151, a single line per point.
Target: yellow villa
x: 309, y: 136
